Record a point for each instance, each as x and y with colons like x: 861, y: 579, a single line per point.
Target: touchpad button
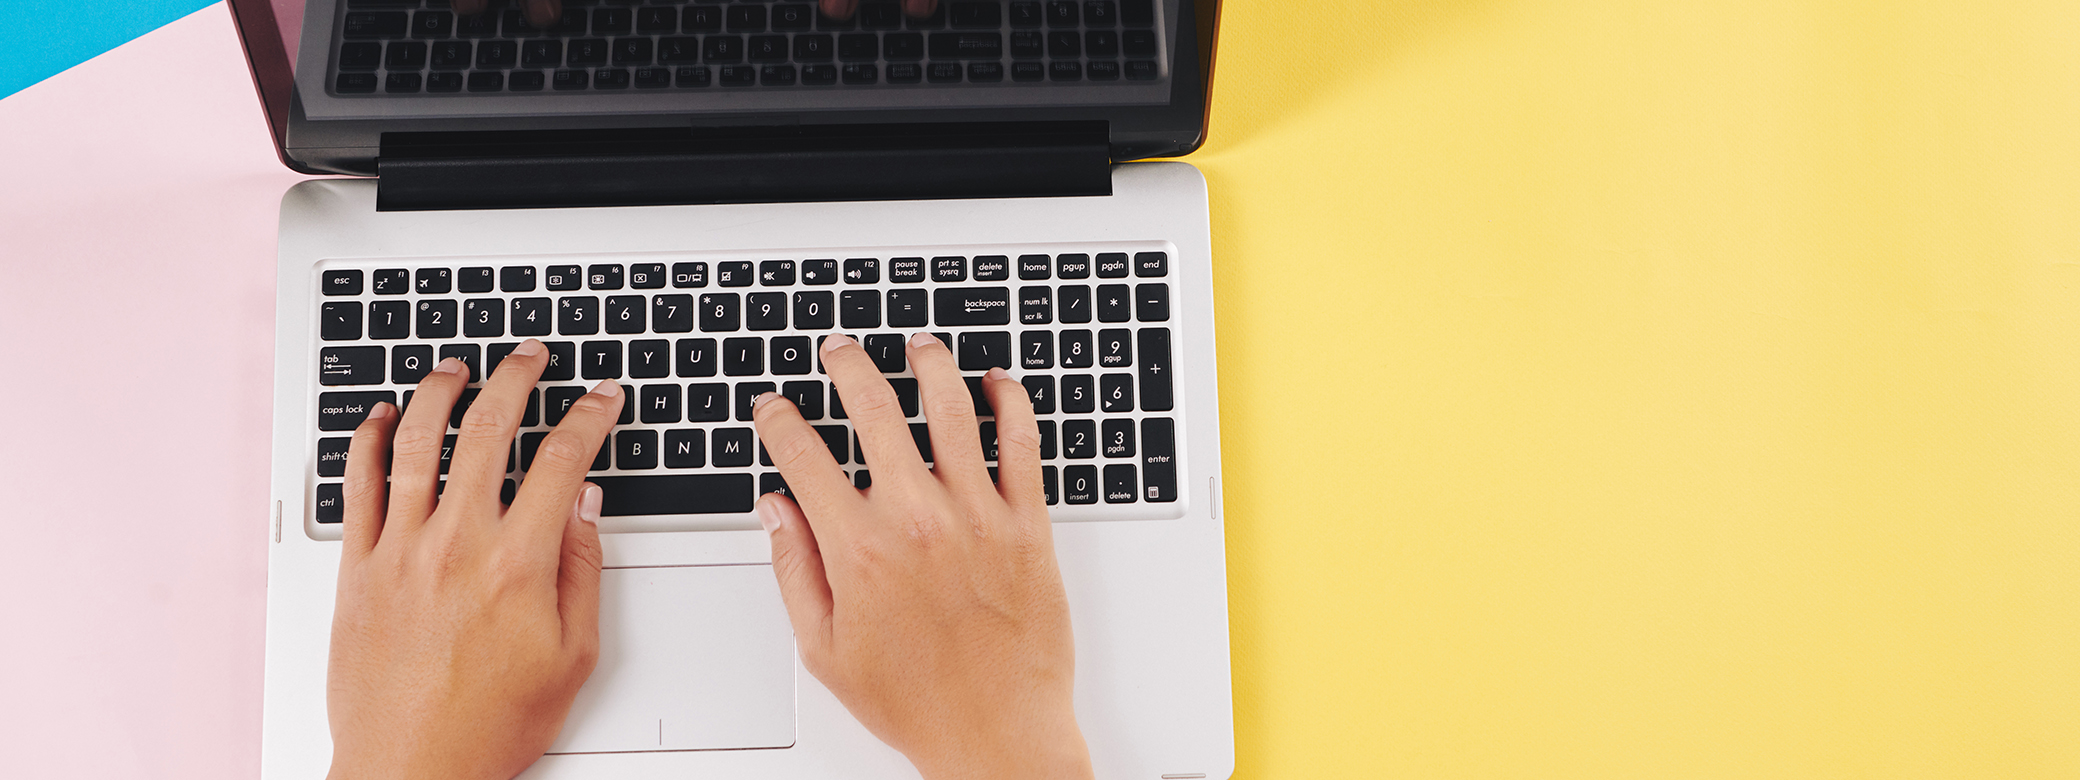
x: 690, y: 658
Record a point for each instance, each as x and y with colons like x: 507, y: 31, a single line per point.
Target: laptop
x: 684, y: 195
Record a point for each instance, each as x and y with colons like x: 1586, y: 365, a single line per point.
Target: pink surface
x: 137, y: 230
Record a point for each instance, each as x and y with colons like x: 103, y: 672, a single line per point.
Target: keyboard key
x: 685, y: 448
x: 792, y: 355
x: 733, y: 274
x: 600, y: 360
x: 746, y: 392
x: 1115, y: 348
x: 494, y: 354
x: 1077, y: 351
x: 1073, y: 266
x: 743, y: 357
x: 493, y: 55
x: 608, y: 276
x: 707, y: 402
x: 1120, y: 483
x: 1138, y: 13
x: 531, y: 316
x: 563, y: 362
x: 1152, y: 302
x: 636, y: 450
x: 586, y: 52
x: 444, y: 82
x: 694, y: 357
x: 1036, y: 350
x: 906, y: 270
x: 807, y: 397
x: 1155, y: 371
x: 332, y: 456
x: 1141, y: 70
x: 432, y: 281
x: 1116, y: 438
x: 1150, y: 264
x: 906, y: 395
x: 649, y: 358
x: 887, y: 352
x: 862, y: 270
x: 452, y: 55
x: 1080, y: 485
x: 541, y: 54
x: 328, y: 505
x: 374, y: 24
x: 983, y: 351
x: 905, y: 47
x: 1112, y: 265
x: 1050, y: 479
x: 767, y: 48
x: 765, y: 311
x: 880, y: 16
x: 838, y: 439
x: 390, y: 281
x: 1079, y: 439
x: 1028, y: 45
x: 474, y: 280
x: 814, y: 310
x: 686, y: 275
x: 362, y: 56
x: 1060, y: 70
x: 556, y: 402
x: 1116, y: 392
x: 992, y: 268
x: 341, y: 282
x: 659, y: 403
x: 1064, y: 44
x: 1047, y: 439
x: 966, y: 46
x: 988, y: 429
x: 653, y: 21
x: 389, y: 319
x: 746, y: 18
x: 1035, y: 267
x: 401, y: 83
x: 906, y: 308
x: 410, y: 363
x: 482, y: 81
x: 819, y: 272
x: 772, y: 481
x: 1063, y: 13
x: 565, y: 277
x: 1026, y: 14
x: 350, y: 366
x: 719, y: 312
x: 339, y: 321
x: 668, y: 313
x: 1079, y: 395
x: 972, y: 306
x: 625, y: 313
x: 674, y: 494
x: 577, y: 315
x: 949, y: 269
x: 701, y: 19
x: 716, y: 49
x: 468, y: 354
x: 1035, y: 305
x: 859, y: 309
x: 436, y: 320
x: 1114, y: 303
x: 1041, y: 389
x: 345, y: 411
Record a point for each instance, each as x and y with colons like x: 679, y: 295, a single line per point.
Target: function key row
x: 441, y: 22
x: 769, y: 273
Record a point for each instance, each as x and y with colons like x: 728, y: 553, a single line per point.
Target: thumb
x: 577, y: 578
x: 798, y: 564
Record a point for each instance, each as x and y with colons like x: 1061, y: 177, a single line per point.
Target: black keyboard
x: 694, y: 341
x: 404, y: 47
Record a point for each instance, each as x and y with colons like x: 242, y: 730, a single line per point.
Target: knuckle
x: 876, y: 402
x: 592, y: 404
x: 796, y: 451
x: 415, y: 446
x: 560, y: 453
x: 484, y: 423
x: 954, y: 409
x: 1021, y: 438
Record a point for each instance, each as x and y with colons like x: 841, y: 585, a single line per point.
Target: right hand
x: 930, y: 604
x: 544, y: 13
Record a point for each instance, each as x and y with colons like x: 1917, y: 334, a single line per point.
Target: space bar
x: 676, y: 494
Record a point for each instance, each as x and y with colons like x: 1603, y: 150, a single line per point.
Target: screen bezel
x: 351, y: 146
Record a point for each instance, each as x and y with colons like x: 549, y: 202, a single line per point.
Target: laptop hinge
x: 555, y: 169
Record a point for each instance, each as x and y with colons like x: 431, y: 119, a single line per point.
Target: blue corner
x: 40, y: 38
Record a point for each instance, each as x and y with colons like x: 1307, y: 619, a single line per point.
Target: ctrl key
x: 344, y: 411
x: 328, y: 506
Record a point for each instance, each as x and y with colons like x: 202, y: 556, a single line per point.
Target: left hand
x: 464, y: 628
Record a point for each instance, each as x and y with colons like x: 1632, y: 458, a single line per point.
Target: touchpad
x: 690, y: 658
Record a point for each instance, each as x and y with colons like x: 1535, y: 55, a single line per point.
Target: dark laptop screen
x: 338, y: 75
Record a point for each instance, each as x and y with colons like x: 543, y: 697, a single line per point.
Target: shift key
x: 350, y: 366
x: 957, y: 306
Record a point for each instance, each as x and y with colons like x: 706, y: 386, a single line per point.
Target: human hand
x: 463, y: 628
x: 542, y: 14
x: 930, y: 604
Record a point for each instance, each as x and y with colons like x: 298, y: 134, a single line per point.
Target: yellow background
x: 1651, y: 389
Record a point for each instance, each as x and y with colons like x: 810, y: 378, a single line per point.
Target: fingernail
x: 997, y: 372
x: 588, y: 504
x: 381, y: 411
x: 768, y: 515
x: 763, y: 399
x: 608, y: 389
x: 451, y: 366
x: 528, y: 348
x: 923, y: 339
x: 835, y: 341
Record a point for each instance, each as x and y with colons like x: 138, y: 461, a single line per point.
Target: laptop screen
x: 337, y: 75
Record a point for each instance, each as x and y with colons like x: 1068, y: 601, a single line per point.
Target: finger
x: 839, y: 9
x: 798, y: 564
x: 477, y: 468
x: 469, y: 7
x: 415, y: 463
x: 577, y: 575
x: 543, y: 14
x: 367, y: 486
x: 535, y: 522
x: 802, y: 457
x: 920, y: 8
x: 950, y: 411
x: 877, y: 417
x: 1018, y: 441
